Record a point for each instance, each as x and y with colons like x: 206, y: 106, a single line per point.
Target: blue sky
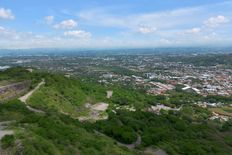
x: 115, y: 24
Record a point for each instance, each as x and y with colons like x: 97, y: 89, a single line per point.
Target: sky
x: 115, y: 23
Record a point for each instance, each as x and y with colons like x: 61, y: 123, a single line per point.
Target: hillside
x: 75, y: 116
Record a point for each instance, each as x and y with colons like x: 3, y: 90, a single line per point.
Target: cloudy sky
x: 114, y: 23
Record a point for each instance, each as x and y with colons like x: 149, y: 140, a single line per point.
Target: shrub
x: 7, y: 141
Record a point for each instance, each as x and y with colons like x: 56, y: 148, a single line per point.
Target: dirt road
x: 4, y: 132
x: 133, y: 145
x: 26, y: 96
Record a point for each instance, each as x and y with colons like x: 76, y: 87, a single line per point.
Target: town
x: 154, y: 73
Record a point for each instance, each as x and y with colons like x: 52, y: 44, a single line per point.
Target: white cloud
x: 216, y: 21
x: 165, y: 41
x: 6, y: 14
x: 10, y: 38
x: 49, y: 19
x: 194, y: 30
x: 159, y: 20
x: 166, y: 24
x: 146, y: 29
x: 10, y: 35
x: 211, y: 36
x: 66, y: 24
x: 2, y: 29
x: 78, y: 34
x: 178, y: 27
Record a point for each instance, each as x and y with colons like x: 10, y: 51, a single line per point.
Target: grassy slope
x: 54, y: 133
x: 59, y: 93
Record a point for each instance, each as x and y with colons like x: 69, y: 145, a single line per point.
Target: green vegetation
x: 94, y: 91
x: 167, y: 131
x: 54, y: 133
x: 17, y: 81
x: 7, y: 141
x: 59, y: 93
x: 69, y: 95
x: 129, y: 96
x: 187, y: 131
x: 20, y: 74
x: 216, y: 99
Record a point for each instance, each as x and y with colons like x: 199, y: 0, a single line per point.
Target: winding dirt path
x: 26, y: 96
x: 4, y: 132
x: 133, y: 145
x: 129, y: 146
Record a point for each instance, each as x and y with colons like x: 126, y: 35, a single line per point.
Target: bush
x: 7, y: 141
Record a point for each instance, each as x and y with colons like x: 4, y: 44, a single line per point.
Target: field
x: 226, y: 111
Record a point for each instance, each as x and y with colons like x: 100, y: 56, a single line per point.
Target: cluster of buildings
x: 159, y: 88
x: 208, y: 104
x: 219, y: 117
x: 222, y: 115
x: 156, y: 109
x: 201, y: 80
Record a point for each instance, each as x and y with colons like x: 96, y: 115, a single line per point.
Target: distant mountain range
x: 118, y: 51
